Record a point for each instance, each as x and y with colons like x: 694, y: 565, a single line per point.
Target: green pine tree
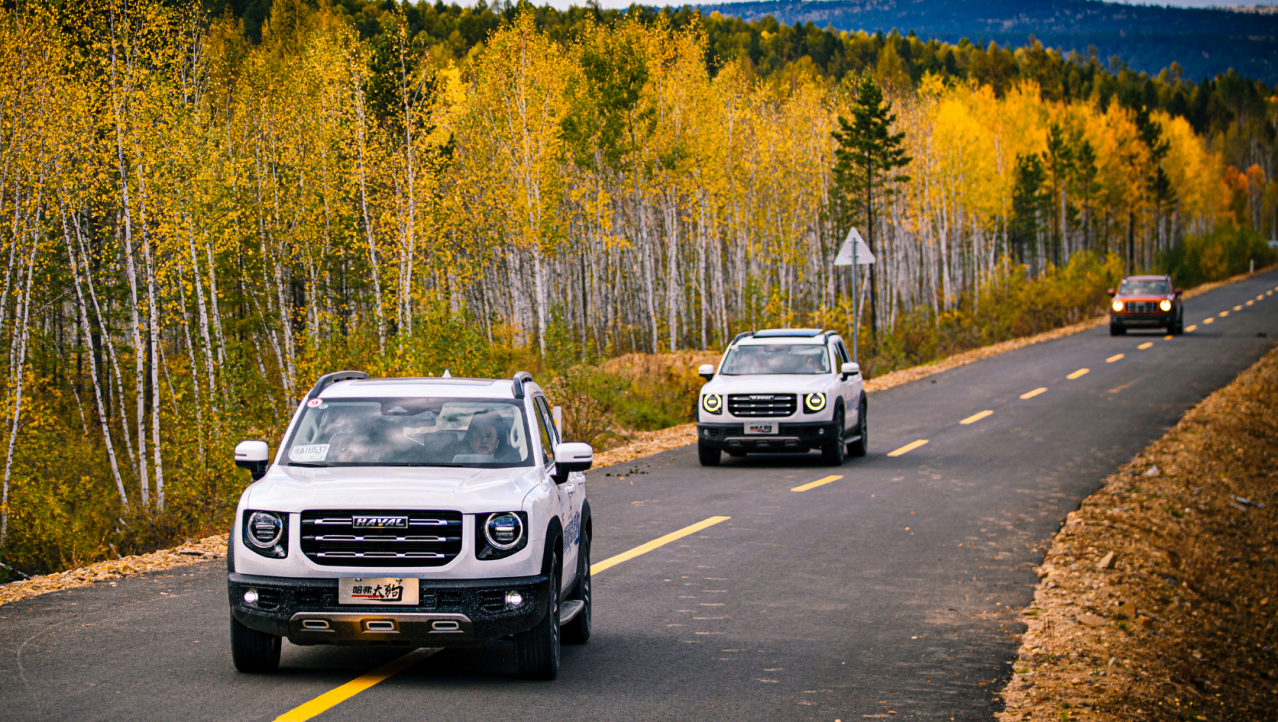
x: 867, y: 167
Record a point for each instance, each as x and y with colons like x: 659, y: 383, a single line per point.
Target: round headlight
x: 1117, y: 305
x: 814, y: 402
x: 264, y: 529
x: 712, y: 403
x: 503, y: 531
x: 1165, y: 304
x: 250, y: 596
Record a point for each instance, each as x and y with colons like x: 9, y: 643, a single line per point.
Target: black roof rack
x: 741, y: 335
x: 517, y: 385
x: 328, y: 379
x: 789, y: 333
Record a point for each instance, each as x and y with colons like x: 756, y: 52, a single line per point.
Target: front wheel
x: 861, y: 447
x: 252, y: 651
x: 578, y: 630
x: 708, y: 456
x: 537, y: 650
x: 833, y: 452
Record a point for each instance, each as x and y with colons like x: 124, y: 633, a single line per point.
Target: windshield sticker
x: 310, y: 452
x: 313, y: 403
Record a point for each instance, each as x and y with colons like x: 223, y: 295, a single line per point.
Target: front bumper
x: 1142, y: 320
x: 791, y: 436
x: 450, y: 613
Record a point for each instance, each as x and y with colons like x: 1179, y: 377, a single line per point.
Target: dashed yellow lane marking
x: 815, y: 484
x: 1238, y: 307
x: 1209, y: 320
x: 1143, y: 346
x: 1251, y: 303
x: 1191, y: 329
x: 655, y: 544
x: 1115, y: 357
x: 334, y: 697
x: 908, y: 447
x: 1261, y: 297
x: 1168, y: 337
x: 1078, y: 374
x: 976, y: 417
x: 1035, y: 392
x: 1222, y: 314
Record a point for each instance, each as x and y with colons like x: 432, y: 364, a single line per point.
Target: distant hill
x: 1205, y: 41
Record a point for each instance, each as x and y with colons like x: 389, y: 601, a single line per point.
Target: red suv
x: 1146, y: 302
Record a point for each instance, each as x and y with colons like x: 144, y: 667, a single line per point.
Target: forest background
x: 201, y: 215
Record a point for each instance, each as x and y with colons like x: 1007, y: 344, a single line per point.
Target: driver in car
x: 483, y: 437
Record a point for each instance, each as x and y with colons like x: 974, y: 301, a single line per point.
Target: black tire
x: 578, y: 630
x: 860, y: 448
x: 709, y: 456
x: 834, y: 452
x: 252, y: 651
x: 1180, y: 324
x: 1115, y: 330
x: 537, y: 650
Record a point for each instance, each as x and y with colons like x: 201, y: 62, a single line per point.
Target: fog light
x: 250, y: 596
x: 514, y: 599
x: 1165, y: 304
x: 1117, y: 306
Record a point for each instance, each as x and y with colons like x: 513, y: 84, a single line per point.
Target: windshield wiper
x: 308, y: 464
x: 414, y: 463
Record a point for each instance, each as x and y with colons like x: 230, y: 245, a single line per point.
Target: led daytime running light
x: 712, y: 403
x: 814, y: 402
x: 1164, y: 305
x: 1117, y: 305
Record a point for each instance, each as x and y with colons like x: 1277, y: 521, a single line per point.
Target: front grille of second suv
x: 430, y: 539
x: 747, y: 405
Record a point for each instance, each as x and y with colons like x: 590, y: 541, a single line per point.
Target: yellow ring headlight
x: 814, y: 402
x: 1117, y: 305
x: 712, y: 403
x: 1165, y: 304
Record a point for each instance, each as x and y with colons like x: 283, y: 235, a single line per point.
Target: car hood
x: 769, y: 384
x: 470, y: 491
x: 1146, y: 297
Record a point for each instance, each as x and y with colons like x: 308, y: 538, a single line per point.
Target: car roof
x: 1144, y: 278
x: 425, y: 386
x: 786, y: 336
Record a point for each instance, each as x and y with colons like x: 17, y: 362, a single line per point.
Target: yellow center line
x: 1115, y: 357
x: 1261, y: 297
x: 976, y: 417
x: 334, y: 697
x: 655, y: 543
x: 1078, y: 374
x: 1191, y: 329
x: 1222, y: 314
x: 815, y: 484
x: 1251, y: 303
x: 1035, y: 392
x: 1143, y: 346
x: 1238, y: 308
x: 908, y: 447
x: 1209, y: 320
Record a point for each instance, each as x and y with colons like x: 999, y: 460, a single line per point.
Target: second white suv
x: 783, y: 390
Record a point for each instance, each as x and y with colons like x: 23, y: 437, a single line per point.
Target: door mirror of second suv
x: 850, y: 368
x: 254, y: 456
x: 705, y: 371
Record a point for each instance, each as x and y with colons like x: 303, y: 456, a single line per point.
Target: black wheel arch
x: 554, y: 543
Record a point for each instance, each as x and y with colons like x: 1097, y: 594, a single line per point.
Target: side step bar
x: 569, y: 610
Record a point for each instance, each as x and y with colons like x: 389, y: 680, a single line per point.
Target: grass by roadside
x: 1158, y: 595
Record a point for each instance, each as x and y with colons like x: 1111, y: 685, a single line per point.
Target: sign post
x: 854, y: 252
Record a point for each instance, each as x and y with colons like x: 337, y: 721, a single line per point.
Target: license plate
x: 761, y: 427
x: 384, y: 590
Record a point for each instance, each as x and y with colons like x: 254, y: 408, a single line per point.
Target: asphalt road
x: 892, y: 589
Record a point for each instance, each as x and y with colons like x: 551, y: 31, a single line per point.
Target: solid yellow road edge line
x: 1143, y: 346
x: 976, y: 417
x: 1190, y: 329
x: 815, y: 484
x: 655, y: 543
x: 334, y: 697
x: 1077, y: 374
x: 1113, y: 358
x: 1035, y: 392
x: 908, y: 447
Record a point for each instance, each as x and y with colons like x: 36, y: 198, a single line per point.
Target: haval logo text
x: 765, y: 397
x: 379, y: 522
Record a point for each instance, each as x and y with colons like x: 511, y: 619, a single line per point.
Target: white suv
x: 435, y: 512
x: 783, y: 390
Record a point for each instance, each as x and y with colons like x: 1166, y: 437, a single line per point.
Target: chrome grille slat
x: 329, y: 537
x: 762, y: 405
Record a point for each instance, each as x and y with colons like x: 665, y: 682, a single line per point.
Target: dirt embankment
x: 1158, y: 595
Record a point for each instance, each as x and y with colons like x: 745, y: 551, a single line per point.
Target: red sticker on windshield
x: 313, y: 403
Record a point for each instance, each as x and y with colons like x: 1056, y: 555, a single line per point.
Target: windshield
x: 777, y: 359
x: 1144, y: 288
x: 483, y: 433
